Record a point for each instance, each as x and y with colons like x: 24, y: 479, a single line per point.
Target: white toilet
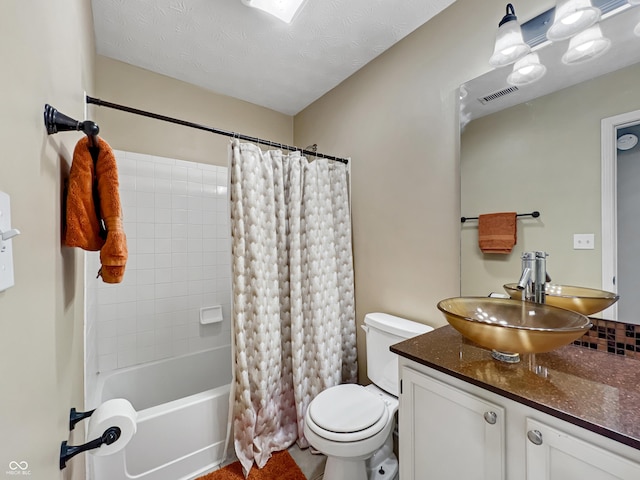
x: 353, y: 425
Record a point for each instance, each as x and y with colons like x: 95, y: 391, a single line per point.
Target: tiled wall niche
x: 176, y: 221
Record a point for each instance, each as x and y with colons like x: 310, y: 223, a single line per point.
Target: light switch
x: 583, y: 241
x: 6, y: 251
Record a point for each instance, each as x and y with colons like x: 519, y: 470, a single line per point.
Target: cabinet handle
x: 535, y: 437
x: 491, y: 417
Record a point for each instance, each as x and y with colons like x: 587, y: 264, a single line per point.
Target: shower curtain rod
x: 102, y: 103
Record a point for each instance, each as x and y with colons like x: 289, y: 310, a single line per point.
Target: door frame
x: 609, y: 202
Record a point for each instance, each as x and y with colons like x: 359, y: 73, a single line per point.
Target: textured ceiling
x: 228, y: 48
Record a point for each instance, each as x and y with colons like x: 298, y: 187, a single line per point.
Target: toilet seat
x: 347, y: 413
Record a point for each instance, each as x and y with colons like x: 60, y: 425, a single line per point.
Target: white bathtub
x: 182, y: 406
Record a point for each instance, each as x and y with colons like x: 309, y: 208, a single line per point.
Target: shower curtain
x: 293, y: 300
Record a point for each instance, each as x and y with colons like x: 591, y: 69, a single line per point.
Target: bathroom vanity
x: 570, y: 414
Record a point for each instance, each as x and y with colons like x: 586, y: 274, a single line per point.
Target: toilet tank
x: 382, y: 331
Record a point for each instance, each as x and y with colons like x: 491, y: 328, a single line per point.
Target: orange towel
x: 84, y: 220
x: 497, y: 232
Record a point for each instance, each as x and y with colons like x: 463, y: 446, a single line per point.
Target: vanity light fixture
x: 285, y: 10
x: 571, y: 17
x: 586, y: 45
x: 527, y: 70
x: 510, y: 45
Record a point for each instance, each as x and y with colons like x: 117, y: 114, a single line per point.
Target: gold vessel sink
x: 586, y: 301
x: 513, y: 326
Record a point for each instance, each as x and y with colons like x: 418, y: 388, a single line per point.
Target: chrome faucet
x: 534, y: 276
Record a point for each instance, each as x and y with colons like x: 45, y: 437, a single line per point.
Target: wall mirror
x: 539, y: 148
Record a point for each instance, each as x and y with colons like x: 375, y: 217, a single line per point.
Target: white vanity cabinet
x: 450, y: 430
x: 446, y: 433
x: 553, y: 454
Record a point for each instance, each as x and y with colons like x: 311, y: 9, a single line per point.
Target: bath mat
x: 279, y: 467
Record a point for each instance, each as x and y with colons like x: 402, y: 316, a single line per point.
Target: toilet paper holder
x: 109, y: 436
x: 75, y: 417
x: 67, y: 452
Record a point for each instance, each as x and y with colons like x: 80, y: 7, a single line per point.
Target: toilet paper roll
x: 113, y: 413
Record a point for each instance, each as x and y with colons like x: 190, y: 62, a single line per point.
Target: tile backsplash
x: 177, y: 225
x: 612, y: 337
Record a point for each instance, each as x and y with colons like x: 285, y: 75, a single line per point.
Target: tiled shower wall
x: 176, y: 221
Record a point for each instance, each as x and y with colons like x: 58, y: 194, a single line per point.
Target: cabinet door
x: 555, y: 455
x: 447, y: 434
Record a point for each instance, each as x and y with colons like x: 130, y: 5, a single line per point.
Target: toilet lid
x: 346, y: 408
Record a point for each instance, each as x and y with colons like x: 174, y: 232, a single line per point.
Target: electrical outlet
x: 583, y: 241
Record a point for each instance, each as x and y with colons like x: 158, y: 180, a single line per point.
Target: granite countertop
x: 595, y: 390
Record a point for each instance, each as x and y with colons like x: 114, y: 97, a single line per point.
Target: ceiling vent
x: 495, y: 95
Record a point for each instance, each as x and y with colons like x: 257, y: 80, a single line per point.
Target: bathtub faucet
x: 534, y: 276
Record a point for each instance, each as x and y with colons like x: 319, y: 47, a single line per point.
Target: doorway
x: 620, y: 206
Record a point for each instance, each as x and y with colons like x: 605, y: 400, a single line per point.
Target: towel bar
x: 534, y: 214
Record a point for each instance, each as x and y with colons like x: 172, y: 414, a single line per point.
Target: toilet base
x: 338, y: 468
x: 382, y: 465
x: 387, y: 470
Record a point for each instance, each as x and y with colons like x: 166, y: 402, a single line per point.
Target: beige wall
x: 542, y: 155
x: 46, y: 53
x: 124, y: 84
x: 397, y: 119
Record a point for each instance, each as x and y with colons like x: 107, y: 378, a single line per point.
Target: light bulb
x: 527, y: 70
x: 510, y: 45
x: 571, y: 17
x: 586, y: 46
